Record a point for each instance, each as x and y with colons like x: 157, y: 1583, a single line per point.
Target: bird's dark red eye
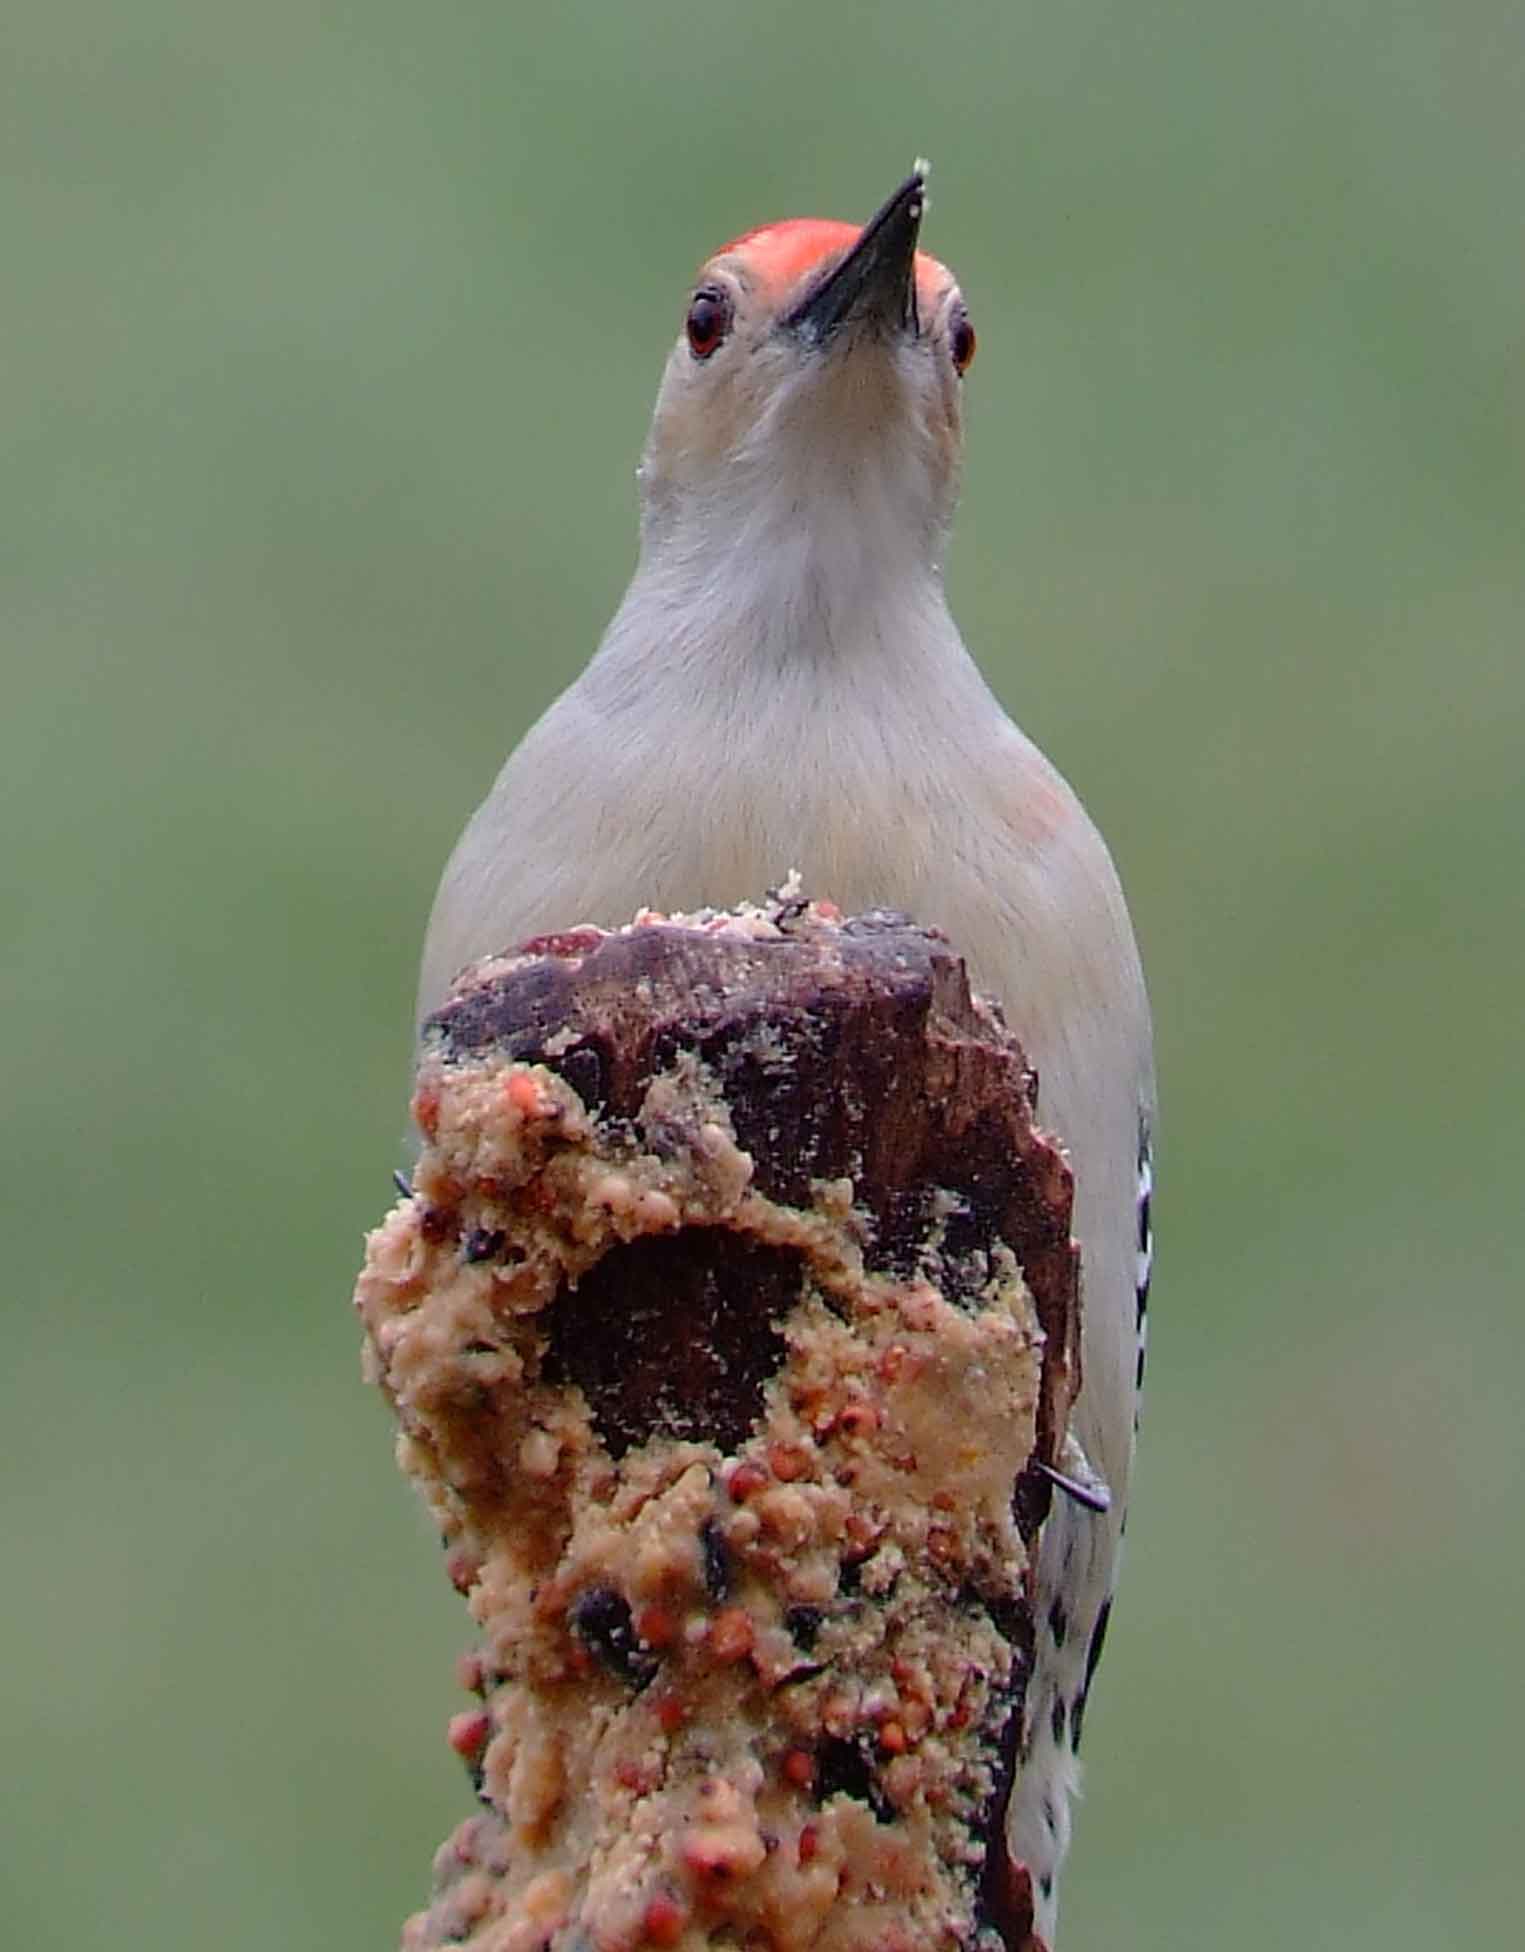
x: 709, y: 320
x: 962, y: 343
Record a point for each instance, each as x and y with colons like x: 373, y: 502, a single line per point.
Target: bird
x: 783, y: 687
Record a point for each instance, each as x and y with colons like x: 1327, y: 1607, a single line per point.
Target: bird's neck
x: 790, y: 577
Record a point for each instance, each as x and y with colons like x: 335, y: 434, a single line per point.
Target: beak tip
x: 877, y: 277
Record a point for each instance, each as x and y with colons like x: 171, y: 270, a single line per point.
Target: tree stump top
x: 731, y: 1313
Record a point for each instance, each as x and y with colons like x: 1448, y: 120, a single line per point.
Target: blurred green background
x: 331, y: 333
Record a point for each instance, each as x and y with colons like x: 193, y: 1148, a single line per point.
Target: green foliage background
x: 330, y: 335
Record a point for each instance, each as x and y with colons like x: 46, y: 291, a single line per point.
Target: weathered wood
x: 733, y: 1310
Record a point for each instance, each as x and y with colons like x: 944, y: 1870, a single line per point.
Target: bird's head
x: 816, y: 380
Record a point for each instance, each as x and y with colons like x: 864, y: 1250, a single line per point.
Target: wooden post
x: 731, y: 1314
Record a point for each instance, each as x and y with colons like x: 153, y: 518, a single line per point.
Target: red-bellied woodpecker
x: 783, y: 687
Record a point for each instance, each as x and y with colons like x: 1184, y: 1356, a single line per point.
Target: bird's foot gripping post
x: 729, y: 1324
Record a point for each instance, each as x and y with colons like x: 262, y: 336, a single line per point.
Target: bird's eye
x: 709, y: 320
x: 962, y: 343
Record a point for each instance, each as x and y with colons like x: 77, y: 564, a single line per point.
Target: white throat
x: 818, y: 538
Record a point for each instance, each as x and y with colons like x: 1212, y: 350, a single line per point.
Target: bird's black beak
x: 875, y: 284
